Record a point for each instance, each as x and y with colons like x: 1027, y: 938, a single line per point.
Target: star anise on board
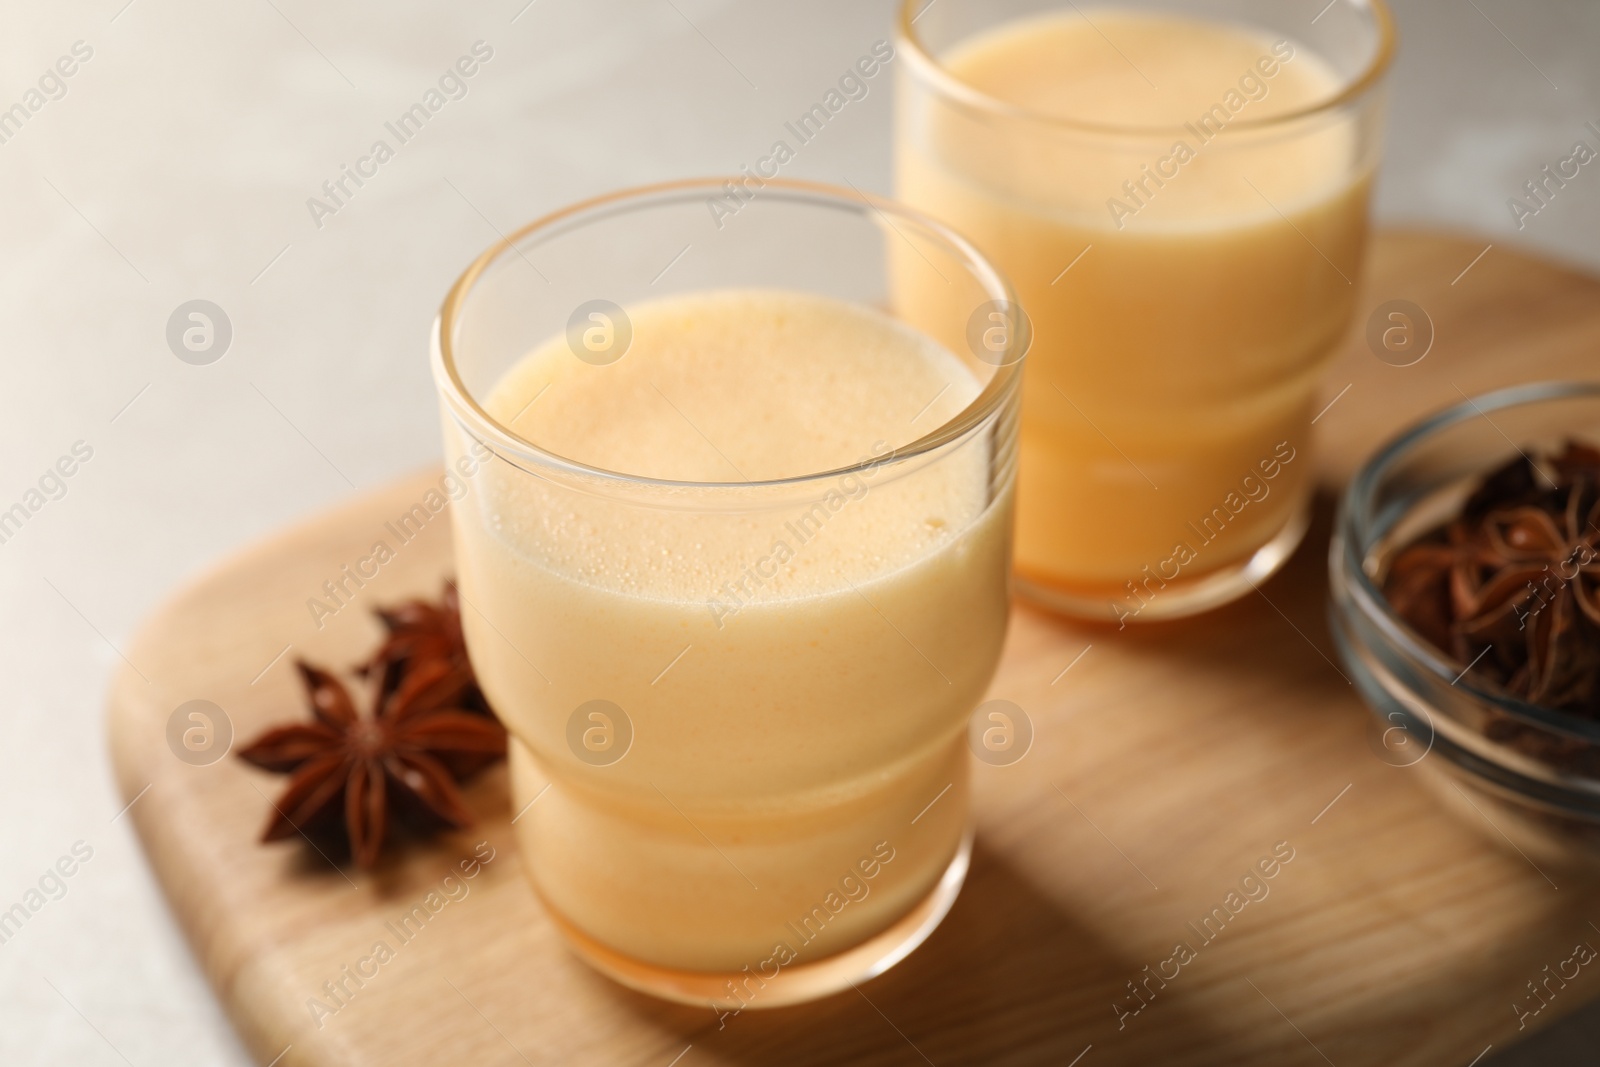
x: 1512, y: 584
x: 418, y: 631
x: 356, y: 771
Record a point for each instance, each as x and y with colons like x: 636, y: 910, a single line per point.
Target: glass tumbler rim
x: 477, y: 421
x: 923, y: 64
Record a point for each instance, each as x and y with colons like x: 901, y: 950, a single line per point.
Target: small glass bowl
x: 1524, y: 774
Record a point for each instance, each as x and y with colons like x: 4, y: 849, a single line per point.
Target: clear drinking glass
x: 1187, y: 278
x: 739, y: 769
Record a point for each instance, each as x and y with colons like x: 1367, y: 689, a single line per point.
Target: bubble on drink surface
x: 1400, y: 332
x: 1402, y: 737
x: 999, y: 733
x: 998, y: 332
x: 199, y: 332
x: 599, y: 332
x: 599, y: 732
x: 199, y: 732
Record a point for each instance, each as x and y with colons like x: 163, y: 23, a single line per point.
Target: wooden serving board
x: 1167, y: 762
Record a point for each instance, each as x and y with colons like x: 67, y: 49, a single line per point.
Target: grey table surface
x: 177, y: 164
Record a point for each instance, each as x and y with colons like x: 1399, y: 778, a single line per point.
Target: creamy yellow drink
x: 1187, y: 272
x: 779, y: 769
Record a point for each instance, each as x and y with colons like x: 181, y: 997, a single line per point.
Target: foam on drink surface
x: 1159, y: 72
x: 732, y: 387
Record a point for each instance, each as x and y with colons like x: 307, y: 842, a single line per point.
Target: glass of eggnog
x: 735, y: 573
x: 1179, y: 194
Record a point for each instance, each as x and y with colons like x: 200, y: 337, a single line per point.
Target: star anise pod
x: 419, y: 631
x: 400, y: 759
x: 1512, y: 585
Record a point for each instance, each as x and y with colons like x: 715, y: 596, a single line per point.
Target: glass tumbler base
x: 793, y: 984
x: 1178, y: 598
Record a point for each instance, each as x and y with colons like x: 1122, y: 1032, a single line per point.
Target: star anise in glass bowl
x: 356, y: 771
x: 1465, y: 582
x: 1510, y: 588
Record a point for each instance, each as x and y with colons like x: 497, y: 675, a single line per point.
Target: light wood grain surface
x: 1167, y: 763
